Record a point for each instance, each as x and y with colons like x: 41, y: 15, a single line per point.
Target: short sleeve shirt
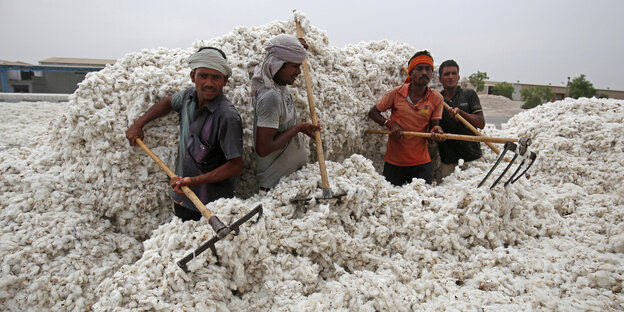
x: 276, y: 109
x: 209, y: 137
x: 453, y: 150
x: 409, y: 150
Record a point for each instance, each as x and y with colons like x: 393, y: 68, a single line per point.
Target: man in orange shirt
x: 414, y: 107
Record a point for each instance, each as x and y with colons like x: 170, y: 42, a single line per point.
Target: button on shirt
x: 209, y: 137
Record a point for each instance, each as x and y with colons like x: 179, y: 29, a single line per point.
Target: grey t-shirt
x: 273, y: 109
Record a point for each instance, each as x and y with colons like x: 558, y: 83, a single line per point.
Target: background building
x: 559, y: 91
x: 52, y: 75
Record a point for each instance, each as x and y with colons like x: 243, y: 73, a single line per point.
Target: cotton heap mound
x: 75, y: 210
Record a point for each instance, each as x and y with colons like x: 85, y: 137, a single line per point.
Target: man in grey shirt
x: 210, y: 148
x: 279, y: 148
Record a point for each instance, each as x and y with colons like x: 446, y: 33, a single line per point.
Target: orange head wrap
x: 415, y: 61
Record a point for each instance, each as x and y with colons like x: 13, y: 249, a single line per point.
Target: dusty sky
x: 530, y: 41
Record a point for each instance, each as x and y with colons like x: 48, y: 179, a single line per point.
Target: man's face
x: 449, y: 77
x: 209, y: 83
x: 421, y: 74
x: 287, y: 74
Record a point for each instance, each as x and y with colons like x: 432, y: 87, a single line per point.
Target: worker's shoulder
x: 397, y: 89
x: 268, y: 93
x: 226, y: 107
x: 183, y: 94
x: 469, y: 91
x: 186, y: 93
x: 268, y: 96
x: 436, y: 96
x: 227, y: 113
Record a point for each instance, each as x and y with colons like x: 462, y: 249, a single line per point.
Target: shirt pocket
x: 203, y: 154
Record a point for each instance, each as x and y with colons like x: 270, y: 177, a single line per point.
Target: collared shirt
x: 209, y: 137
x: 409, y: 150
x: 452, y: 150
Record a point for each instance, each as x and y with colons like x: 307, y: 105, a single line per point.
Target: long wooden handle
x: 317, y: 134
x: 187, y: 191
x: 473, y: 129
x: 467, y: 124
x: 449, y: 136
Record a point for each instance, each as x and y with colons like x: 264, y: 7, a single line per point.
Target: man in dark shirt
x: 464, y: 103
x: 210, y: 148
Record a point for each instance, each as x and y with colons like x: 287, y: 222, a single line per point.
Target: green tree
x: 505, y: 89
x: 478, y: 80
x: 535, y: 96
x: 581, y: 87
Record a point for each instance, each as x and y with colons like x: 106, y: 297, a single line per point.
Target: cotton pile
x: 86, y: 220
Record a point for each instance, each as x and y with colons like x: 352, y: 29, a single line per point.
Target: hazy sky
x: 531, y: 41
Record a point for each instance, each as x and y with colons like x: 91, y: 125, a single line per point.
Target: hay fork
x: 519, y: 149
x: 220, y: 229
x: 515, y: 178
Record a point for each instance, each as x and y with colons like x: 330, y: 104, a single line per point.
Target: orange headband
x: 418, y: 60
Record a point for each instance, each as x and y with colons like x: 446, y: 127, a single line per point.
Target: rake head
x: 222, y: 231
x: 519, y: 150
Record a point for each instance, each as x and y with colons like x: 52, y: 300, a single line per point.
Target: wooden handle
x: 449, y: 136
x: 467, y: 124
x: 187, y: 191
x: 317, y: 134
x: 473, y: 129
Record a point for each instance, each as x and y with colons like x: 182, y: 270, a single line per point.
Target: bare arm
x: 268, y: 141
x: 160, y: 109
x: 395, y: 129
x: 231, y: 168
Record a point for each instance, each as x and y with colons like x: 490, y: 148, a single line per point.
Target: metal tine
x: 515, y: 172
x: 532, y: 157
x: 508, y: 146
x: 223, y: 232
x: 523, y: 146
x: 505, y: 171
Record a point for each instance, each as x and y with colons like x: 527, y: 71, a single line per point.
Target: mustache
x: 424, y: 76
x: 209, y: 89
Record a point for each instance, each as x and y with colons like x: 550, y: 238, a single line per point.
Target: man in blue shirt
x: 210, y: 148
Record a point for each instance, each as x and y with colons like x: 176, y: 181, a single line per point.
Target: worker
x: 277, y: 144
x: 414, y: 107
x: 464, y: 103
x: 210, y: 147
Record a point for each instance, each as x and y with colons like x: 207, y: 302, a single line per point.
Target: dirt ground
x: 497, y: 105
x: 498, y: 109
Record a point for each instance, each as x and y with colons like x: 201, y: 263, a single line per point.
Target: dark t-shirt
x: 453, y: 150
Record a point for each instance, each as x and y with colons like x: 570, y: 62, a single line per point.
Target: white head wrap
x: 212, y: 59
x: 280, y: 49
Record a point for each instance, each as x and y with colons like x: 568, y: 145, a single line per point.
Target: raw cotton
x: 77, y: 205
